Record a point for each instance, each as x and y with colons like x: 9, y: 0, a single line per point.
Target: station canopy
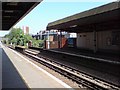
x: 13, y: 12
x: 105, y: 17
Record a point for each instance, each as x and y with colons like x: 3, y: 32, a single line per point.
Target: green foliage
x: 37, y: 43
x: 27, y: 38
x: 4, y: 41
x: 14, y: 41
x: 17, y: 37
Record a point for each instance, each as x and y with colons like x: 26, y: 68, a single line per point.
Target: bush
x: 4, y: 41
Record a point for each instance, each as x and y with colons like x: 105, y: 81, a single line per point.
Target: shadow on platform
x: 10, y: 76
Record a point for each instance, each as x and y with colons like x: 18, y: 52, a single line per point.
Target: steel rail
x: 80, y: 78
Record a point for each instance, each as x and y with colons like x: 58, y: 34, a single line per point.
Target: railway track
x: 77, y: 76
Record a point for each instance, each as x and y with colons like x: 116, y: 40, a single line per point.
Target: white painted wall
x: 85, y: 40
x: 105, y: 40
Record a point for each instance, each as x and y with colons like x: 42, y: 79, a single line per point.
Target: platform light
x: 8, y: 11
x: 21, y: 0
x: 12, y: 3
x: 6, y: 16
x: 73, y: 26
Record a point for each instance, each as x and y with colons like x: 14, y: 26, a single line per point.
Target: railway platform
x: 10, y: 76
x: 19, y: 72
x: 105, y: 69
x: 90, y: 53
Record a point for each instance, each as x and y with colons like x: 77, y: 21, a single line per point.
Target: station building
x: 51, y: 38
x: 97, y: 29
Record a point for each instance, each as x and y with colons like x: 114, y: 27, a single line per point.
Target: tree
x: 14, y: 41
x: 4, y: 41
x: 16, y: 36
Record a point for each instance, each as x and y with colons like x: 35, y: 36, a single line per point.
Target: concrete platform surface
x: 32, y: 75
x: 10, y: 76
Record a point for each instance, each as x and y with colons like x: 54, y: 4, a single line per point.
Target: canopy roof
x: 12, y: 12
x: 102, y: 17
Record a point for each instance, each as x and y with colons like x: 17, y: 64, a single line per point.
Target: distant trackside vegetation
x: 17, y: 37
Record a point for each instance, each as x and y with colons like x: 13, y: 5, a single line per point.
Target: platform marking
x: 53, y: 77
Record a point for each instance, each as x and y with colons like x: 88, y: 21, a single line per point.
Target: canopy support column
x: 48, y: 40
x: 60, y: 39
x: 95, y: 39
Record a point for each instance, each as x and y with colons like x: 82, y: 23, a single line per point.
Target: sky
x: 47, y: 12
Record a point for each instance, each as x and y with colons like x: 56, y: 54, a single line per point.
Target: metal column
x: 0, y: 15
x: 60, y: 39
x: 48, y: 41
x: 0, y: 46
x: 95, y: 39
